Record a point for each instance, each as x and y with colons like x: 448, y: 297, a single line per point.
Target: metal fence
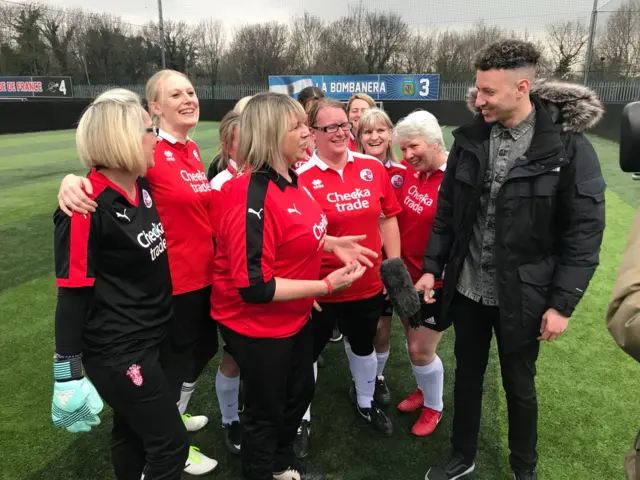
x: 608, y: 92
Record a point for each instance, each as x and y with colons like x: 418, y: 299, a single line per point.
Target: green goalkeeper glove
x: 76, y: 403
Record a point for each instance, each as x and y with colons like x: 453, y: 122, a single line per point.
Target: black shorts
x: 387, y: 310
x: 431, y: 314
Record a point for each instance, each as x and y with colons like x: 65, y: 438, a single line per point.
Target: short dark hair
x: 309, y: 93
x: 507, y: 55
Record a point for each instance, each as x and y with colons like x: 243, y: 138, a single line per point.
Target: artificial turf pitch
x: 587, y: 388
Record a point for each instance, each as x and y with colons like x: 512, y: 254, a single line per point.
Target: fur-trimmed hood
x: 574, y: 106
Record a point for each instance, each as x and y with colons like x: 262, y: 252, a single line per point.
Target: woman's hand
x: 348, y: 250
x: 342, y: 278
x: 72, y: 196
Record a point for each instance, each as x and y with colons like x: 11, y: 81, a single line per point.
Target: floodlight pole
x: 161, y: 24
x: 592, y: 34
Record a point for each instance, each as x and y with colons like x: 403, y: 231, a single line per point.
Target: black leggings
x: 193, y: 339
x: 148, y: 432
x: 278, y: 387
x: 357, y: 320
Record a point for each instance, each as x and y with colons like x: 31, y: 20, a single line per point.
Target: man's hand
x: 553, y: 325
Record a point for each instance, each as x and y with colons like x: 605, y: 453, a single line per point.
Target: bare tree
x: 420, y: 53
x: 566, y: 41
x: 305, y: 43
x: 210, y: 41
x: 618, y: 49
x: 386, y: 35
x: 258, y: 51
x: 340, y: 53
x: 58, y: 30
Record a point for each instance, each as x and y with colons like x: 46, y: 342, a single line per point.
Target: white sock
x: 363, y: 370
x: 185, y: 396
x: 430, y: 379
x: 227, y: 389
x: 382, y: 361
x: 307, y: 414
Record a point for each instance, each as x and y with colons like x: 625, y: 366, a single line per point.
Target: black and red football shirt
x: 269, y: 228
x: 353, y: 199
x: 120, y: 251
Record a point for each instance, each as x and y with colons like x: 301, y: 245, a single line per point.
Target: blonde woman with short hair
x: 270, y: 245
x: 182, y: 195
x: 375, y: 138
x: 356, y: 106
x: 115, y: 298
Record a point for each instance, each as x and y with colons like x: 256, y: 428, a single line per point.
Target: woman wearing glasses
x: 114, y: 298
x: 356, y: 196
x: 182, y: 195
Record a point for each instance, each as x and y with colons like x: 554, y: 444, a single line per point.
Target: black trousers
x: 474, y: 323
x: 278, y: 387
x: 193, y: 337
x: 148, y: 433
x: 357, y: 320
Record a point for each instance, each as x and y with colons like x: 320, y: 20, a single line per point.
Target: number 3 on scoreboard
x: 63, y: 88
x: 424, y: 90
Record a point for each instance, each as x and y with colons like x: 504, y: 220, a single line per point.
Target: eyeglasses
x: 154, y: 130
x: 334, y: 128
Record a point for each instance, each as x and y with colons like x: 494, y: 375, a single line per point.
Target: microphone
x: 405, y: 299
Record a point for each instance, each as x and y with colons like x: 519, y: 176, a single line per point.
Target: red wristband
x: 329, y: 286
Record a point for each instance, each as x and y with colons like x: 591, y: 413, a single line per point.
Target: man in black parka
x: 517, y: 236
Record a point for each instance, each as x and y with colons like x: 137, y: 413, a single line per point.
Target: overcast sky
x: 514, y: 14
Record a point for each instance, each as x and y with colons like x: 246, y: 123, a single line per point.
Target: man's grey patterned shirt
x: 478, y: 277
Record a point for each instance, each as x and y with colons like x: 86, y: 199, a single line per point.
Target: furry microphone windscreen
x: 403, y: 295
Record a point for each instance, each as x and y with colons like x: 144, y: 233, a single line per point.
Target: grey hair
x: 419, y: 124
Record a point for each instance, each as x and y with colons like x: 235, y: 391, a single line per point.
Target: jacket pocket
x: 593, y: 188
x: 535, y: 279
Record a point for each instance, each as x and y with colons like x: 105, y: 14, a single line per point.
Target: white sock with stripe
x: 185, y: 396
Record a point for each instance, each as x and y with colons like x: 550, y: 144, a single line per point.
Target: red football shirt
x: 352, y: 144
x: 269, y: 228
x: 183, y: 196
x: 353, y: 200
x: 396, y: 173
x: 419, y: 200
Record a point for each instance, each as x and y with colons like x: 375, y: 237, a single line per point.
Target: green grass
x: 587, y: 387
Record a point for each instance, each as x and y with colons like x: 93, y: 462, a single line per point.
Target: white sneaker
x: 199, y: 464
x: 194, y: 424
x: 290, y: 474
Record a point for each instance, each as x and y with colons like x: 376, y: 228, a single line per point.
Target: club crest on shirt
x: 397, y: 181
x: 147, y: 198
x: 195, y: 154
x: 366, y: 175
x: 135, y: 375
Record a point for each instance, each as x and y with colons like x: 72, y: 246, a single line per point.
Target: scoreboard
x: 36, y: 87
x: 379, y: 87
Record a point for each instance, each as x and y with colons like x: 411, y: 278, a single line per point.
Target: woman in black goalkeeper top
x: 115, y: 296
